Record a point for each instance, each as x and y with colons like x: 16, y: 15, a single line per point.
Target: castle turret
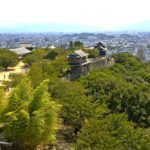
x: 102, y: 49
x: 79, y: 63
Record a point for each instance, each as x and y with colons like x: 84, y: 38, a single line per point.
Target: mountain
x: 73, y: 28
x: 53, y: 27
x: 136, y: 27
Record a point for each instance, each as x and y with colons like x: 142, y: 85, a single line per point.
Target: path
x: 64, y: 138
x: 4, y: 75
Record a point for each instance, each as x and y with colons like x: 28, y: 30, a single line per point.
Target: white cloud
x: 100, y: 13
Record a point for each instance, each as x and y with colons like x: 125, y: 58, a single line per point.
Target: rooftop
x: 81, y: 53
x: 20, y: 51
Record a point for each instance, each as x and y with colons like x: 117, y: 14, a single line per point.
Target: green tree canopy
x: 31, y: 116
x: 51, y: 55
x: 76, y: 106
x: 8, y: 58
x: 35, y: 56
x: 122, y: 88
x: 75, y: 45
x: 112, y: 132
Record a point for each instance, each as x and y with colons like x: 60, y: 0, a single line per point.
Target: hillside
x: 106, y: 109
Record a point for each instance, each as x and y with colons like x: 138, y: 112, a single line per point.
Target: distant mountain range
x: 137, y: 27
x: 55, y: 27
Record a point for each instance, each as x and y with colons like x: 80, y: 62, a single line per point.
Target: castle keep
x: 81, y: 65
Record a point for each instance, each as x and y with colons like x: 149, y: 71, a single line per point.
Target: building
x: 52, y: 47
x: 102, y: 49
x: 21, y: 51
x: 79, y: 63
x: 28, y: 46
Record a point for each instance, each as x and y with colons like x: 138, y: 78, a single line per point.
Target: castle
x: 81, y: 65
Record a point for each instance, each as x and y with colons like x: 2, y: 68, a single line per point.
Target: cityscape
x: 115, y: 41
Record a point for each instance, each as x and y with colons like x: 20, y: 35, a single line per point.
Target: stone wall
x: 98, y: 63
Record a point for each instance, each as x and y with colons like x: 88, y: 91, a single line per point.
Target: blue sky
x: 105, y: 14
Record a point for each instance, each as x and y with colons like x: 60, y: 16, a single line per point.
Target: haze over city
x: 73, y: 15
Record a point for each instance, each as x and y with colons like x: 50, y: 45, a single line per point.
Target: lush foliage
x: 76, y: 106
x: 121, y: 89
x: 40, y: 54
x: 107, y: 109
x: 75, y: 45
x: 36, y: 56
x: 51, y: 55
x: 93, y: 53
x: 7, y: 58
x: 112, y: 132
x: 30, y: 116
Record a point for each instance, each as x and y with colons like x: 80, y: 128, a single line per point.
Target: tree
x: 16, y: 115
x: 8, y: 58
x: 30, y: 59
x: 70, y: 44
x: 36, y: 74
x: 44, y: 116
x: 31, y: 116
x: 78, y: 44
x: 3, y: 103
x: 92, y: 53
x: 41, y: 71
x: 35, y: 56
x: 51, y: 55
x: 61, y: 65
x: 130, y: 62
x: 76, y: 106
x: 15, y: 79
x: 112, y: 132
x: 120, y: 93
x: 75, y: 45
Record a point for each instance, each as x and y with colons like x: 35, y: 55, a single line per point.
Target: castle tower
x: 102, y: 49
x: 79, y: 63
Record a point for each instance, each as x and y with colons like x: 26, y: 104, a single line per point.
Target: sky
x: 97, y: 13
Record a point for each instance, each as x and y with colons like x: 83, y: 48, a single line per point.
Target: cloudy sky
x: 97, y: 13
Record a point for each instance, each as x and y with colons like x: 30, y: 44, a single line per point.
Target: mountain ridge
x: 56, y: 27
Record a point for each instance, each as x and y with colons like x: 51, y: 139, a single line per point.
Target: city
x: 115, y: 41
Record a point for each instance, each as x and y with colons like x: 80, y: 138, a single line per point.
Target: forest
x: 108, y: 109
